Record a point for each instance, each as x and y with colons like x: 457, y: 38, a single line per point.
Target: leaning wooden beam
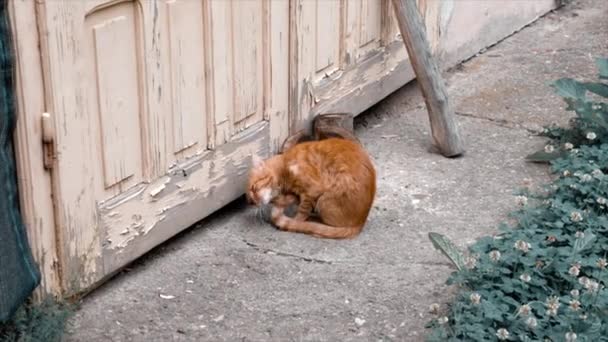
x: 443, y: 124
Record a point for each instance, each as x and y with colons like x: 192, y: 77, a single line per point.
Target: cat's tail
x: 316, y: 228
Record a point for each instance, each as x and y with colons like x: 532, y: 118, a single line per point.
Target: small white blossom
x: 470, y: 262
x: 442, y: 320
x: 583, y: 281
x: 434, y: 308
x: 597, y: 173
x: 494, y: 255
x: 573, y: 186
x: 592, y: 286
x: 583, y: 317
x: 522, y: 245
x: 579, y: 234
x: 566, y: 173
x: 553, y: 305
x: 574, y: 293
x: 575, y: 305
x: 591, y: 136
x: 524, y: 310
x: 531, y: 322
x: 601, y: 200
x: 575, y: 216
x: 596, y: 106
x: 549, y: 148
x: 574, y: 270
x: 601, y: 263
x: 568, y: 146
x: 586, y: 177
x: 525, y: 277
x: 570, y: 336
x: 502, y: 334
x: 521, y: 200
x: 574, y: 151
x: 475, y: 298
x: 578, y: 174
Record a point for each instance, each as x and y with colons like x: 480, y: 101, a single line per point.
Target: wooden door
x: 157, y: 106
x: 348, y: 54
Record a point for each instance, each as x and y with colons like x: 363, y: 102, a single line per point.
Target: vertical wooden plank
x: 246, y: 56
x: 77, y: 173
x: 118, y: 97
x: 187, y: 82
x: 327, y: 35
x: 34, y: 181
x: 352, y: 30
x: 278, y: 71
x: 221, y: 64
x: 371, y: 11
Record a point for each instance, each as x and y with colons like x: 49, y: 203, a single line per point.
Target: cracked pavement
x: 231, y: 277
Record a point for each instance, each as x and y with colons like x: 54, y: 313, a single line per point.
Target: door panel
x: 157, y: 110
x: 363, y: 60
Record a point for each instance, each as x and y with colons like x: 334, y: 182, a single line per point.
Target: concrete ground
x: 231, y: 278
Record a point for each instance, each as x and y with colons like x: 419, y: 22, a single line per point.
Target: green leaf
x: 602, y: 66
x: 544, y: 157
x: 597, y: 88
x: 445, y: 246
x: 569, y: 88
x: 584, y: 242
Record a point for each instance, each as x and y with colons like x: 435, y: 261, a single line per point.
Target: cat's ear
x: 256, y: 161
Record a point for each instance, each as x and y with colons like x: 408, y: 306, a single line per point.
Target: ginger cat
x: 335, y: 177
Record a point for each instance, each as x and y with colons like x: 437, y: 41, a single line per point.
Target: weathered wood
x: 34, y: 181
x: 443, y: 124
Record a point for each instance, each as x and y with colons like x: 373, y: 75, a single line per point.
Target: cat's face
x: 263, y: 183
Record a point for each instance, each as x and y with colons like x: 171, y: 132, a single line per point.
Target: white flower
x: 566, y: 173
x: 494, y: 255
x: 575, y: 216
x: 586, y: 177
x: 521, y: 200
x: 502, y: 334
x: 574, y: 270
x: 531, y: 322
x: 579, y: 234
x: 470, y: 262
x: 578, y: 174
x: 570, y: 336
x: 583, y: 281
x: 525, y: 277
x: 575, y: 304
x: 549, y: 148
x: 522, y: 245
x: 573, y: 186
x: 568, y: 146
x: 591, y: 136
x: 475, y: 298
x: 583, y: 317
x: 597, y: 173
x: 596, y: 106
x: 434, y: 308
x: 601, y: 263
x: 524, y: 310
x: 442, y: 320
x: 574, y: 293
x: 592, y: 286
x: 552, y: 305
x: 601, y: 200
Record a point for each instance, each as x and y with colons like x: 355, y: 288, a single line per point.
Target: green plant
x: 544, y: 278
x: 45, y: 321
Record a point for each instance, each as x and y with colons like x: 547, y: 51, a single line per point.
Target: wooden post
x: 443, y: 125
